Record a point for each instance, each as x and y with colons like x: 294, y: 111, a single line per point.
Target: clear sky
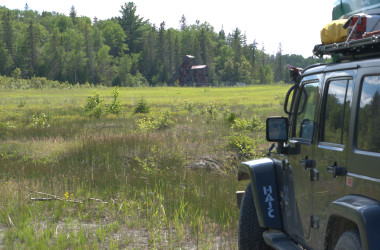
x: 296, y: 24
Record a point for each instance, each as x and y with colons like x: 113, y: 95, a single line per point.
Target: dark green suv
x: 320, y: 187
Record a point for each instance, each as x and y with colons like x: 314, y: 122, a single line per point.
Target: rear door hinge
x: 308, y: 164
x: 314, y: 221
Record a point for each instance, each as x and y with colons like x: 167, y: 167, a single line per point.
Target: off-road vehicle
x: 319, y: 187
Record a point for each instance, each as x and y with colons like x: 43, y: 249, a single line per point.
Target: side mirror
x: 277, y: 129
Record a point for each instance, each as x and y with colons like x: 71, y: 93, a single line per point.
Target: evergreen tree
x: 90, y: 67
x: 279, y: 64
x: 73, y: 14
x: 177, y: 56
x: 170, y: 42
x: 133, y: 26
x: 148, y: 62
x: 162, y: 48
x: 8, y: 35
x: 4, y: 59
x: 32, y: 47
x: 205, y: 45
x: 182, y: 23
x: 235, y: 40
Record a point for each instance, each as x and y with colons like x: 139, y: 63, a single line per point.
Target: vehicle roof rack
x: 351, y: 50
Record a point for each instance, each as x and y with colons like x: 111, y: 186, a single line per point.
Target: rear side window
x: 336, y: 112
x: 368, y: 129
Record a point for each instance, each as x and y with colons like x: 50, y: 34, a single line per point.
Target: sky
x: 296, y: 24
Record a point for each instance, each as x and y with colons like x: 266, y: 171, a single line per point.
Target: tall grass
x: 71, y: 181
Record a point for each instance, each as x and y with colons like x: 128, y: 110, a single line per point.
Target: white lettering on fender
x: 268, y: 200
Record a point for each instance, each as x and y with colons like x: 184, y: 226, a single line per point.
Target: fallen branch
x: 11, y: 222
x: 42, y: 199
x: 56, y: 197
x: 98, y: 200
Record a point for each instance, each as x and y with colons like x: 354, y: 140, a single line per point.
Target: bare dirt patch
x: 2, y: 229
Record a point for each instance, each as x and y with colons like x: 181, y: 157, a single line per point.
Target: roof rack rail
x: 351, y: 50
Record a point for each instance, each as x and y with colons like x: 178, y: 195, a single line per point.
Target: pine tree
x: 279, y: 64
x: 133, y: 26
x: 8, y: 34
x: 32, y: 44
x: 163, y: 57
x: 90, y: 54
x: 205, y: 45
x: 73, y: 14
x: 182, y: 23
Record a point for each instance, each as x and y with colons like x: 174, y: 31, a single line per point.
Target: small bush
x: 94, y: 106
x: 142, y: 107
x: 189, y: 106
x: 245, y: 146
x: 156, y: 122
x: 253, y: 124
x: 115, y: 106
x: 40, y: 120
x: 211, y: 111
x: 230, y: 117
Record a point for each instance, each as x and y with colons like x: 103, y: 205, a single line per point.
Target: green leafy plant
x: 211, y: 111
x: 159, y: 121
x: 230, y: 117
x: 189, y: 106
x: 142, y: 107
x: 253, y: 124
x: 115, y: 107
x: 40, y: 120
x: 94, y: 106
x: 245, y: 146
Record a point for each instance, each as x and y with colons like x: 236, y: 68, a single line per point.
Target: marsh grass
x: 107, y: 184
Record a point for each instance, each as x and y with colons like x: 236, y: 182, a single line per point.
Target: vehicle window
x: 306, y: 109
x: 337, y: 110
x: 368, y: 130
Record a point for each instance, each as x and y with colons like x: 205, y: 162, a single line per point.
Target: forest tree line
x: 130, y: 51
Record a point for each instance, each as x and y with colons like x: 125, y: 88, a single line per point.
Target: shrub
x: 253, y: 124
x: 115, y: 106
x: 40, y: 120
x: 156, y: 122
x: 211, y: 111
x: 142, y: 107
x: 94, y: 106
x: 189, y: 106
x: 230, y: 117
x: 245, y: 146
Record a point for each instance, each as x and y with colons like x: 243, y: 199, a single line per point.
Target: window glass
x: 368, y: 134
x: 337, y: 111
x: 306, y: 110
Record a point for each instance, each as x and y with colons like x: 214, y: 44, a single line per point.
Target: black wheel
x: 250, y: 233
x: 349, y: 240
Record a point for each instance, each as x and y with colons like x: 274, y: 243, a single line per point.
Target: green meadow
x: 160, y: 173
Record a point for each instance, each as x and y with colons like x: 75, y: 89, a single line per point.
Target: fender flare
x: 262, y: 174
x: 364, y: 212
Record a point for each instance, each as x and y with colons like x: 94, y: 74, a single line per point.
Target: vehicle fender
x: 264, y: 189
x: 364, y: 212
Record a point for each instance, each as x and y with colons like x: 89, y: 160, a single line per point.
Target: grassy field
x: 163, y: 179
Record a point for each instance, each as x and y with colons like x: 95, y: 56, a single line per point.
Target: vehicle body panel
x: 349, y: 7
x: 327, y: 175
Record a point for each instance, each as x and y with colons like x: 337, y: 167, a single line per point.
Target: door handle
x: 336, y: 170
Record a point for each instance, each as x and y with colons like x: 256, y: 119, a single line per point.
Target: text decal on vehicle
x: 268, y: 200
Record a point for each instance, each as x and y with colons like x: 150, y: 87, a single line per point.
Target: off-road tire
x: 349, y: 240
x: 250, y: 233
